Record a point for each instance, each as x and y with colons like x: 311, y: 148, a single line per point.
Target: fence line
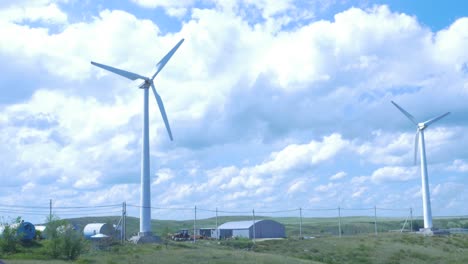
x: 299, y: 221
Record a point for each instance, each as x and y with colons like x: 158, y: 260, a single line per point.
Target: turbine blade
x: 416, y: 142
x: 160, y: 65
x: 162, y: 110
x: 428, y: 122
x: 130, y: 75
x: 408, y: 115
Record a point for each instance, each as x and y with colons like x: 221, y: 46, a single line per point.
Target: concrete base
x: 145, y: 238
x: 426, y: 231
x: 432, y: 232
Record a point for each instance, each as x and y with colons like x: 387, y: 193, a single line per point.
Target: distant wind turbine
x: 424, y: 177
x: 145, y: 195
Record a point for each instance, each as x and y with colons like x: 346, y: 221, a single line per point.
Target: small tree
x: 62, y: 240
x: 72, y: 244
x: 9, y: 240
x: 53, y: 237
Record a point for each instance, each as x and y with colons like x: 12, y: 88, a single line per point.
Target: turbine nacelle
x: 146, y: 84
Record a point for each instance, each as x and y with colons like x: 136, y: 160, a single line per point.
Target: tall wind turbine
x: 420, y: 127
x: 145, y: 195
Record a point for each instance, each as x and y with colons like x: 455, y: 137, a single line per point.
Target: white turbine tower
x: 424, y: 177
x: 145, y: 234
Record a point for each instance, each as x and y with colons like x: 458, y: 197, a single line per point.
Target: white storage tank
x: 98, y: 228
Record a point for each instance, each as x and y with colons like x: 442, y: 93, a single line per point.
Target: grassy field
x: 385, y: 248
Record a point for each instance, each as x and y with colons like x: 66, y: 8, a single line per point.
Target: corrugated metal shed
x: 263, y: 229
x: 238, y: 224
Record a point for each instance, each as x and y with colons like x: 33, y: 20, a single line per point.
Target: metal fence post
x: 411, y: 218
x: 217, y: 230
x: 195, y: 225
x: 300, y: 223
x: 375, y: 219
x: 339, y: 221
x: 253, y: 217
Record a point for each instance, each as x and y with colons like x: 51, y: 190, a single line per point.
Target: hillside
x: 310, y: 226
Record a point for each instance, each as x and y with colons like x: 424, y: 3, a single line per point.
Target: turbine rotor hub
x: 145, y: 85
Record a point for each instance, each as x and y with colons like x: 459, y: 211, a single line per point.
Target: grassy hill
x: 310, y: 226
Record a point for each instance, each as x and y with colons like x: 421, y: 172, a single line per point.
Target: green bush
x: 239, y: 243
x: 62, y: 240
x: 9, y: 240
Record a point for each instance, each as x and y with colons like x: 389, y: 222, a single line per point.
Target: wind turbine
x: 420, y: 127
x: 145, y: 234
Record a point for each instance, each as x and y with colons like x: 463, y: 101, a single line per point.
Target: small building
x: 208, y: 232
x: 98, y: 228
x: 262, y: 228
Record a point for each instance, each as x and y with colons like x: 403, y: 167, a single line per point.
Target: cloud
x: 459, y: 166
x: 387, y: 173
x: 163, y: 175
x: 163, y: 3
x: 45, y: 11
x: 325, y: 188
x: 92, y: 41
x: 338, y: 176
x: 298, y: 185
x: 359, y: 192
x: 257, y: 102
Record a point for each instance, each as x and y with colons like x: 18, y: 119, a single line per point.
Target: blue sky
x: 272, y: 106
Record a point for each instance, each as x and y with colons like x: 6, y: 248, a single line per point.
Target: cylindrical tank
x: 24, y: 230
x: 97, y: 228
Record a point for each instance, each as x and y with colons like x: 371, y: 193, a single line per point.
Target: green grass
x: 385, y: 248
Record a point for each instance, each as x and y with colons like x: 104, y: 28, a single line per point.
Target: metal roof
x: 238, y: 224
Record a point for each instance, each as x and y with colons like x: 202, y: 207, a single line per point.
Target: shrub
x: 62, y: 240
x: 9, y: 240
x: 239, y: 243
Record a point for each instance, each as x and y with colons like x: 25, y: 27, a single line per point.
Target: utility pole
x: 50, y: 210
x: 123, y: 231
